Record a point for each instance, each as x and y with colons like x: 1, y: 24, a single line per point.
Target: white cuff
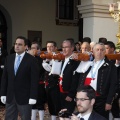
x: 2, y: 66
x: 117, y: 65
x: 32, y: 101
x: 3, y: 99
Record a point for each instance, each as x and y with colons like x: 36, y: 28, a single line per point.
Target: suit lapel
x: 91, y: 116
x: 12, y: 63
x: 67, y: 65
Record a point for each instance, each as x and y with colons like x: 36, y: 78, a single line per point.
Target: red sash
x: 60, y: 86
x: 88, y: 81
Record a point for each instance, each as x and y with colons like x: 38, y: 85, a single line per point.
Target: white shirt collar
x: 86, y: 117
x: 67, y: 59
x: 22, y: 55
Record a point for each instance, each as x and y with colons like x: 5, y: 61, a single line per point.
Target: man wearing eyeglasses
x: 67, y: 85
x: 85, y: 99
x: 102, y: 76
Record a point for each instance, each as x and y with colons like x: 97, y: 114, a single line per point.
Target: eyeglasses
x: 81, y: 99
x: 66, y: 47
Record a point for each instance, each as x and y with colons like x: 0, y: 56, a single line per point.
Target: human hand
x: 117, y: 63
x: 69, y: 99
x: 74, y: 117
x: 75, y: 56
x: 108, y: 107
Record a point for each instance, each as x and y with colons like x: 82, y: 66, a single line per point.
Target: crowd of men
x: 29, y: 82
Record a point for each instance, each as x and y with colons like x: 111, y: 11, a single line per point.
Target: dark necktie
x: 81, y: 118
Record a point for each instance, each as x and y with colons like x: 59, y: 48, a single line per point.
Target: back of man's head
x: 102, y: 40
x: 87, y: 39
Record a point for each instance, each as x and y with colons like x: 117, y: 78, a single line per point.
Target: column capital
x: 94, y: 10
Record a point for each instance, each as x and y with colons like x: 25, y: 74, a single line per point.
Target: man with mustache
x: 85, y: 99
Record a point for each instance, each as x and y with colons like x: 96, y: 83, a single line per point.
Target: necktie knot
x: 18, y: 57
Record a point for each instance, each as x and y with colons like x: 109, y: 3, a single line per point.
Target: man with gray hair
x: 102, y: 76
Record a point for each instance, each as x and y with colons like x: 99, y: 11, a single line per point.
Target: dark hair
x: 35, y: 42
x: 23, y: 38
x: 28, y: 43
x: 71, y: 40
x: 77, y: 43
x: 53, y: 42
x: 88, y: 90
x: 102, y: 40
x: 86, y: 39
x: 110, y: 44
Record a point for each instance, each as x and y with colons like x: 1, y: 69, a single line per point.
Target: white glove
x: 47, y: 67
x: 32, y: 101
x: 2, y: 66
x: 3, y: 99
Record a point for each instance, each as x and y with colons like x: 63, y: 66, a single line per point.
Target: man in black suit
x: 67, y: 85
x: 3, y: 54
x: 41, y: 99
x: 85, y: 99
x: 102, y: 76
x: 110, y: 49
x: 19, y: 82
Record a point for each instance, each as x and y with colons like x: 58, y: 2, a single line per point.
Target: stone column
x: 97, y: 21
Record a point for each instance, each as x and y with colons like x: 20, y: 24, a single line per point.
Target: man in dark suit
x: 41, y: 99
x: 19, y: 82
x: 67, y: 85
x: 85, y: 99
x: 102, y: 76
x: 110, y: 49
x: 3, y: 54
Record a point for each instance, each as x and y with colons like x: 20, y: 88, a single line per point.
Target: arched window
x: 3, y: 29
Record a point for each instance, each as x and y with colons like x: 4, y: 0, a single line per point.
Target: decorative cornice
x: 94, y: 10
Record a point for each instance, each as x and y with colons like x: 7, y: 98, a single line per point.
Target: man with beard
x: 102, y: 76
x: 85, y: 100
